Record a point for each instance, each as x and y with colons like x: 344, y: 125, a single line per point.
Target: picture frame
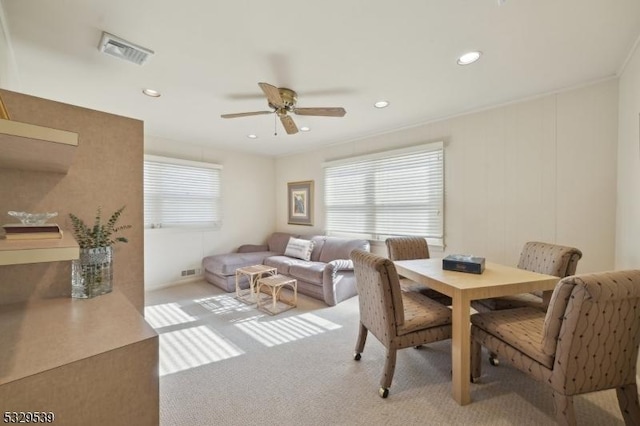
x: 300, y: 202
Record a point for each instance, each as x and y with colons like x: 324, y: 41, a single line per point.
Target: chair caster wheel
x: 383, y: 392
x: 357, y: 356
x: 494, y: 361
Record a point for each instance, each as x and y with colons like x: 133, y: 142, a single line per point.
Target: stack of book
x: 19, y: 231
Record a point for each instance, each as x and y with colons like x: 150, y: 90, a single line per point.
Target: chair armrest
x: 250, y: 248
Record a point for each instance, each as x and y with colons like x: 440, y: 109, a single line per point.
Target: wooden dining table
x: 496, y: 280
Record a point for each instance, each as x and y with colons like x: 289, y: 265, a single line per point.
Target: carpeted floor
x: 225, y: 363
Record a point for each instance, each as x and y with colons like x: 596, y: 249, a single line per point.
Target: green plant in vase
x: 92, y: 272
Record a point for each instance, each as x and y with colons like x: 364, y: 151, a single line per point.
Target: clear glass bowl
x: 33, y: 218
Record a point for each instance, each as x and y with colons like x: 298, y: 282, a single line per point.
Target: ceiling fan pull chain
x: 275, y: 125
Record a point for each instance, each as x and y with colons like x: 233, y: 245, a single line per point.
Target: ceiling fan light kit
x: 283, y: 101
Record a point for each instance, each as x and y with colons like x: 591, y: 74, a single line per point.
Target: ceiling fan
x: 283, y: 101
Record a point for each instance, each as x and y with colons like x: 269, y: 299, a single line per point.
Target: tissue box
x: 463, y: 263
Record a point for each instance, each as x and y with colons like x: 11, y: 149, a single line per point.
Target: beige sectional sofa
x: 328, y: 274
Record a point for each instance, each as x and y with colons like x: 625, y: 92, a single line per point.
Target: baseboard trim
x: 177, y: 282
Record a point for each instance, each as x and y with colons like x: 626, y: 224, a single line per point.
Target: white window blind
x: 181, y: 193
x: 394, y: 193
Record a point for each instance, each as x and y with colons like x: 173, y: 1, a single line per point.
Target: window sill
x: 434, y: 243
x: 181, y: 229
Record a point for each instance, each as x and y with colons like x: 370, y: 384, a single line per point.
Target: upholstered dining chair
x: 545, y: 258
x: 410, y: 248
x: 397, y: 319
x: 587, y: 340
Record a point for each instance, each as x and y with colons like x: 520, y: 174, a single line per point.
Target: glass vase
x: 91, y: 274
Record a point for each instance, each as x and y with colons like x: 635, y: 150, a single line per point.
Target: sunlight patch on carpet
x: 321, y: 322
x: 285, y: 330
x: 223, y: 304
x: 192, y: 347
x: 167, y: 314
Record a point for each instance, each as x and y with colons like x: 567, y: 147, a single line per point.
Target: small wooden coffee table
x: 276, y: 303
x: 254, y: 272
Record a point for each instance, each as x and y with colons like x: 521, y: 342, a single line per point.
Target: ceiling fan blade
x: 273, y: 94
x: 289, y: 125
x: 325, y: 112
x: 245, y: 114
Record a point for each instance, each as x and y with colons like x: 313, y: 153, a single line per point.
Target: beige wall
x: 106, y: 171
x: 544, y: 169
x: 628, y: 213
x: 248, y: 212
x: 628, y: 206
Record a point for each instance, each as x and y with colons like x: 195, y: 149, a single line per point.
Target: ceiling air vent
x: 123, y: 49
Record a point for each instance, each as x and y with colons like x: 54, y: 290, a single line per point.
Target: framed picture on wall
x: 300, y: 202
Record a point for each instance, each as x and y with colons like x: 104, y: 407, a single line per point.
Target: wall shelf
x: 30, y: 147
x: 35, y: 251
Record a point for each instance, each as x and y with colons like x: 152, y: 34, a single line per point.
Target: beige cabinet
x: 89, y: 362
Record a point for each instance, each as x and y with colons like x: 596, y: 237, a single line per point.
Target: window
x: 181, y: 193
x: 393, y: 193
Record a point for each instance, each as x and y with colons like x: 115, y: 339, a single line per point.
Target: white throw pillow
x: 298, y: 248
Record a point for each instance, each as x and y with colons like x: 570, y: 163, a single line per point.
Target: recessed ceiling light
x: 304, y: 129
x: 151, y: 92
x: 381, y: 104
x: 469, y: 58
x: 252, y: 136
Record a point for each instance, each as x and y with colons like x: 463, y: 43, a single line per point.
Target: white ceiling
x: 210, y: 55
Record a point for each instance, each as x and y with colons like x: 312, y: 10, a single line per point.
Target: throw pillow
x: 298, y: 248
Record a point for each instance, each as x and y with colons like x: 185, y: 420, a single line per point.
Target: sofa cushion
x: 299, y: 248
x: 311, y: 272
x: 282, y: 263
x: 278, y: 241
x: 318, y: 243
x: 340, y: 248
x: 226, y: 264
